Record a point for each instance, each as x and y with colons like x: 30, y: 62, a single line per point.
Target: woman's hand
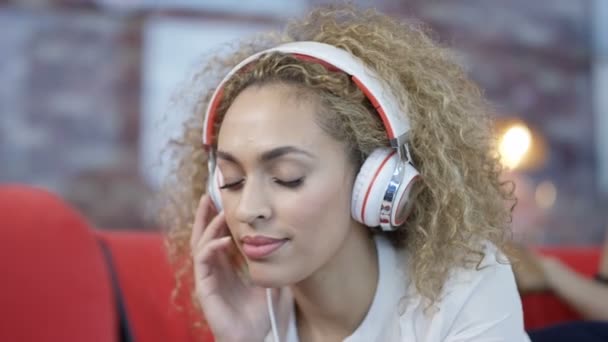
x: 234, y: 309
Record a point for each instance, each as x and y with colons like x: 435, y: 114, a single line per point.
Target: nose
x: 253, y: 204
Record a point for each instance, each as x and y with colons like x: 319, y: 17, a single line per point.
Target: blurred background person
x: 588, y: 296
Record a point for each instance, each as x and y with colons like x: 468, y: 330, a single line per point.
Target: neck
x: 332, y: 302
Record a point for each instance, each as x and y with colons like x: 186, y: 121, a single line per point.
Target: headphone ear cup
x: 213, y: 188
x: 371, y: 185
x: 404, y: 197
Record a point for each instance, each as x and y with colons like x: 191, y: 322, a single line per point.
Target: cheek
x: 319, y: 208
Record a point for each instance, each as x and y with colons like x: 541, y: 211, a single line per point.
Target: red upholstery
x: 146, y: 282
x: 55, y: 285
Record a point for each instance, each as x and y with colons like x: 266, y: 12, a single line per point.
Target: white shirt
x: 475, y: 305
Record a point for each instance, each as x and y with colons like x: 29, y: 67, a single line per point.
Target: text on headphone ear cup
x: 371, y: 184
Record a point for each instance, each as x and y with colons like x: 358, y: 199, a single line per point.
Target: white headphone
x: 381, y: 191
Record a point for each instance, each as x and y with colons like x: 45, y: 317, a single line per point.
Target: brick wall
x: 70, y: 100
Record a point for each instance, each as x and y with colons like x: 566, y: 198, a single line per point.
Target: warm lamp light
x: 520, y: 147
x: 514, y: 145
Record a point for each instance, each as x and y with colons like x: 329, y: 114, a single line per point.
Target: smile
x: 260, y: 247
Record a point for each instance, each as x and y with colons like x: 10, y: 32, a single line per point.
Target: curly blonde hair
x: 461, y: 202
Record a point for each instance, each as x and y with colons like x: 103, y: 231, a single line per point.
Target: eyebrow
x: 268, y: 155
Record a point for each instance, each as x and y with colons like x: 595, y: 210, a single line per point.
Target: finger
x: 216, y: 228
x: 223, y: 258
x: 200, y: 220
x: 203, y: 259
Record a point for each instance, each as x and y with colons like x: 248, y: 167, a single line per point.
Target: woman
x: 357, y: 187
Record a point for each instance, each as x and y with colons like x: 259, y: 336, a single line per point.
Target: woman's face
x: 287, y: 184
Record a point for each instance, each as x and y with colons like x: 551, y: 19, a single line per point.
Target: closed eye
x: 233, y: 185
x: 290, y: 184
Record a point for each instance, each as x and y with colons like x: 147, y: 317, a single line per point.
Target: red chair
x: 57, y: 282
x: 146, y: 281
x: 55, y: 285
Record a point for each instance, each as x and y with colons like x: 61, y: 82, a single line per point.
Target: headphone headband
x: 382, y: 98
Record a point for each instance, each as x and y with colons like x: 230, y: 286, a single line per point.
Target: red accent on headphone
x: 359, y: 84
x: 328, y: 66
x: 376, y: 105
x: 371, y: 185
x: 213, y: 109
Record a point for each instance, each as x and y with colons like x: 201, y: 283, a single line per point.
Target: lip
x: 259, y: 247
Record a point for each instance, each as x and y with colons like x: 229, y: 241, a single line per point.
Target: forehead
x: 269, y: 116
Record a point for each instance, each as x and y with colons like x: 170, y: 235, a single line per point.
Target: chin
x: 268, y: 275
